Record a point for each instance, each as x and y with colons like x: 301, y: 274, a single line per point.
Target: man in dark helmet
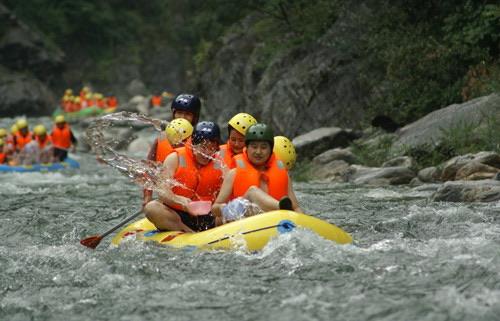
x: 184, y: 106
x: 191, y: 174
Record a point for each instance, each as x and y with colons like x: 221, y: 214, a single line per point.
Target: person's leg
x: 164, y: 218
x: 265, y: 201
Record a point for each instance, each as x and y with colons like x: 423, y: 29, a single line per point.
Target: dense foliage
x: 413, y: 56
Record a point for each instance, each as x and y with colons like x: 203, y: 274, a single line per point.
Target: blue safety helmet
x: 205, y: 130
x: 189, y: 103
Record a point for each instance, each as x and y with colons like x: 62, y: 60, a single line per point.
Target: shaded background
x: 325, y: 63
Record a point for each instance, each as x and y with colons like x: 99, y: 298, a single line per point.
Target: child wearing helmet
x: 237, y: 127
x: 197, y: 177
x: 259, y: 176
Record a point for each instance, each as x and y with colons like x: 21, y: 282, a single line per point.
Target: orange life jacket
x: 226, y: 154
x: 199, y: 183
x: 44, y: 143
x: 163, y: 148
x: 101, y: 103
x: 112, y: 101
x: 156, y: 101
x: 21, y: 140
x: 61, y: 138
x: 275, y: 176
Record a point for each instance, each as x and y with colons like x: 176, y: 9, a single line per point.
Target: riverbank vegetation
x: 414, y: 56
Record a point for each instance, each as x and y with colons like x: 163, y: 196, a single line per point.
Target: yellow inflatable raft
x: 255, y: 231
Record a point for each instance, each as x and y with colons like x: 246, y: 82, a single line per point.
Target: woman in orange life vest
x: 184, y: 106
x: 237, y: 128
x: 258, y: 176
x: 62, y: 139
x: 201, y: 178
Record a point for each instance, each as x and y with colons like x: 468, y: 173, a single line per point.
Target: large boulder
x: 429, y: 129
x: 23, y: 49
x: 469, y: 191
x: 319, y: 140
x: 22, y: 94
x: 296, y: 91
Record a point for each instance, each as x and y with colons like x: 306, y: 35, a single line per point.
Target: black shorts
x: 60, y: 154
x: 197, y: 223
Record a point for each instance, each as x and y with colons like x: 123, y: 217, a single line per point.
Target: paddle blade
x: 92, y: 241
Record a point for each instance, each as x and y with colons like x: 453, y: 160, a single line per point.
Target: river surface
x: 412, y: 259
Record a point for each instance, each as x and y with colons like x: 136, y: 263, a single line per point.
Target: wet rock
x: 429, y: 174
x: 319, y: 140
x: 475, y: 170
x: 401, y: 161
x: 468, y: 191
x: 335, y: 171
x: 380, y: 176
x: 415, y: 182
x: 451, y: 166
x: 344, y: 154
x: 488, y: 158
x: 140, y: 145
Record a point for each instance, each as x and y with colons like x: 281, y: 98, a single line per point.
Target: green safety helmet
x: 260, y: 132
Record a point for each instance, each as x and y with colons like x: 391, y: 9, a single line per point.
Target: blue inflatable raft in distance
x: 49, y: 167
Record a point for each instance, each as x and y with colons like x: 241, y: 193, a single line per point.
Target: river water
x: 412, y: 259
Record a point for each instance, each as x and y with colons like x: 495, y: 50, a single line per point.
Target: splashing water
x: 146, y: 173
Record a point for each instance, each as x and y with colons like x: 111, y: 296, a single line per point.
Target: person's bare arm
x: 165, y: 189
x: 293, y: 198
x: 224, y: 194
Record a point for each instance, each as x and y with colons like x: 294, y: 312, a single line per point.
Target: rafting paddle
x: 93, y: 241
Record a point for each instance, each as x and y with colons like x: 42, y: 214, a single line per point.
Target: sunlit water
x: 412, y: 259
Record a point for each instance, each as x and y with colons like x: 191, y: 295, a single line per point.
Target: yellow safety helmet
x: 85, y: 89
x: 59, y: 119
x: 77, y: 99
x: 1, y: 142
x: 3, y: 132
x: 68, y: 92
x: 178, y: 130
x: 241, y: 122
x: 22, y: 123
x: 39, y: 130
x: 13, y: 129
x: 285, y: 151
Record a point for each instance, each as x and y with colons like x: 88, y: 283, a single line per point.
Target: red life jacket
x: 275, y: 176
x: 3, y: 156
x: 21, y: 140
x: 61, y: 138
x: 199, y: 183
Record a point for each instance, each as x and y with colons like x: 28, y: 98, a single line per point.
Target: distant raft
x: 84, y: 113
x: 49, y: 167
x: 255, y: 231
